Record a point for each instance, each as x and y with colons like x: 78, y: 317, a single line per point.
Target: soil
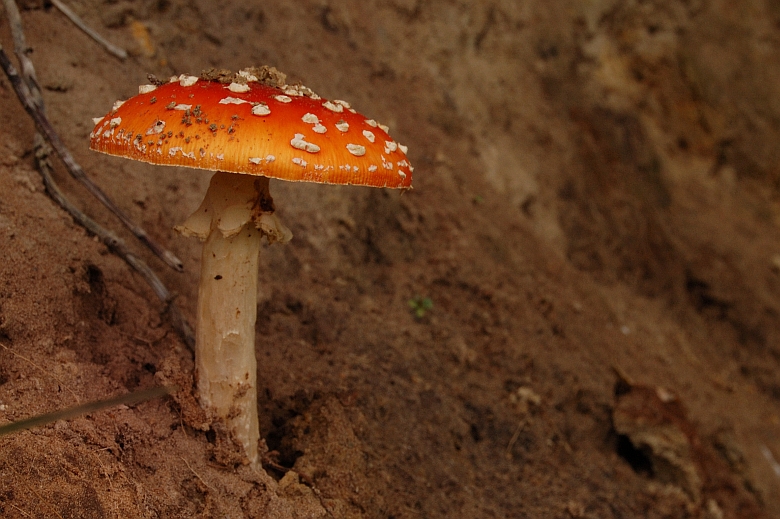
x: 574, y: 314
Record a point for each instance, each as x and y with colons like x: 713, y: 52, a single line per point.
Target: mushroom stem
x: 225, y: 333
x: 235, y: 214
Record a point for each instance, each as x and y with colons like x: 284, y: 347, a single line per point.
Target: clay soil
x: 595, y: 222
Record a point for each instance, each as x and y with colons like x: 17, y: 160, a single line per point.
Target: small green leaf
x: 420, y: 305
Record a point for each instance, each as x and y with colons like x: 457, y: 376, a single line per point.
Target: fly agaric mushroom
x: 248, y: 127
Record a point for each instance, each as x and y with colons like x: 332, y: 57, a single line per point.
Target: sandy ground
x: 595, y: 219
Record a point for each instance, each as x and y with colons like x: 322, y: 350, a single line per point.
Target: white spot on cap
x: 386, y: 164
x: 187, y: 81
x: 298, y: 143
x: 182, y: 107
x: 221, y: 156
x: 356, y: 149
x: 157, y: 127
x: 301, y: 90
x: 390, y: 146
x: 342, y: 103
x: 368, y: 135
x: 116, y: 106
x: 232, y: 101
x: 261, y: 109
x: 385, y: 128
x: 293, y: 90
x: 403, y: 148
x: 283, y: 99
x: 318, y: 128
x: 333, y: 107
x: 371, y: 123
x: 402, y: 164
x: 145, y: 89
x: 238, y: 87
x: 299, y: 161
x: 402, y: 174
x: 310, y: 118
x: 190, y: 155
x: 96, y: 120
x: 342, y: 126
x: 116, y: 121
x: 173, y: 151
x: 372, y: 168
x: 259, y: 160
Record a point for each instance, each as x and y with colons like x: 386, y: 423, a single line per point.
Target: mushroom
x: 248, y: 127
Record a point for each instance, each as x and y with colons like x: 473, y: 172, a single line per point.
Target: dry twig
x: 198, y: 475
x: 133, y: 398
x: 29, y: 95
x: 89, y: 31
x: 114, y: 243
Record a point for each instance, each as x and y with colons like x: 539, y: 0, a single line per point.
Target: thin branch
x: 114, y: 243
x: 92, y: 33
x: 133, y: 398
x: 198, y: 475
x: 22, y: 50
x: 20, y: 510
x: 29, y: 94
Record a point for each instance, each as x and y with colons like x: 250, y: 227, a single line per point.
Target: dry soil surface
x: 595, y: 220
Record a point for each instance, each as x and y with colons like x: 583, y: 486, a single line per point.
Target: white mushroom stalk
x: 235, y: 214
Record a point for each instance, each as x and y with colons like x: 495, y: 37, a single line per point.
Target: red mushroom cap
x: 253, y: 127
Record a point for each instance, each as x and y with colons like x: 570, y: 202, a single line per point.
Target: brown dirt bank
x: 595, y: 219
